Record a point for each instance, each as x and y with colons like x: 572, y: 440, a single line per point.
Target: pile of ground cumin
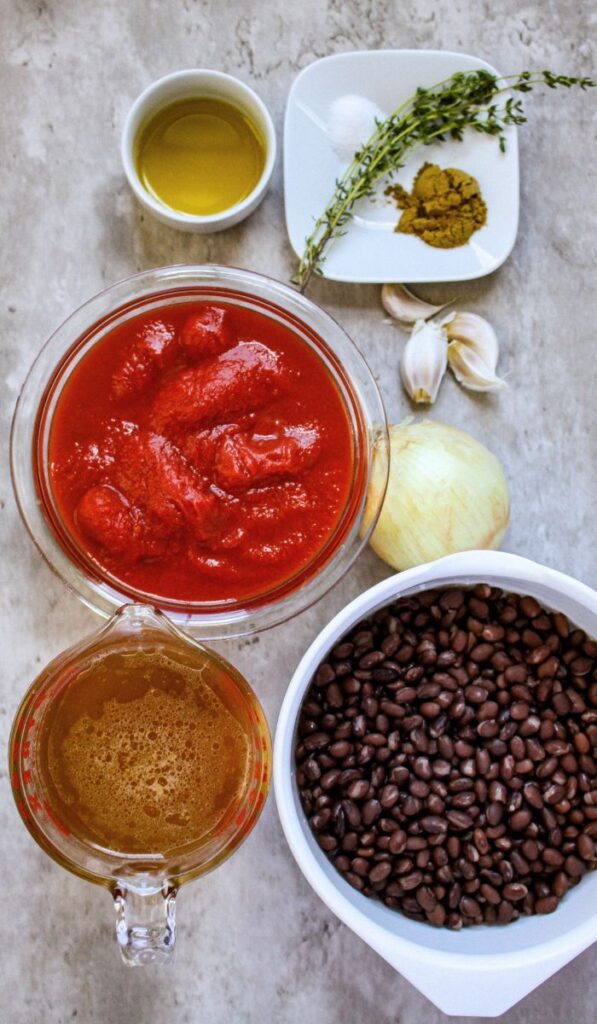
x: 444, y: 207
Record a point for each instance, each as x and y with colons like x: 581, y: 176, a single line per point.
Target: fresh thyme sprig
x: 465, y: 100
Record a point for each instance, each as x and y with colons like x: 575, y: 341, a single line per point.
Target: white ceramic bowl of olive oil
x: 198, y: 149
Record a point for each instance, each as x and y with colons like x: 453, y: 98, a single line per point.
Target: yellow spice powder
x: 444, y: 207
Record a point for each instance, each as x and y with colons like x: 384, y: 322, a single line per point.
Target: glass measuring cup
x: 143, y: 882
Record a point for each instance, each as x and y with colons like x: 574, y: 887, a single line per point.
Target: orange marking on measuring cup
x: 52, y: 816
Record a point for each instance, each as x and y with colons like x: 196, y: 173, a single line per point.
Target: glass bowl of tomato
x: 200, y: 439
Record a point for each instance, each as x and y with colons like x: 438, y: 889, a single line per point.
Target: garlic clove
x: 424, y: 362
x: 473, y: 351
x: 405, y: 307
x: 471, y: 370
x: 476, y: 333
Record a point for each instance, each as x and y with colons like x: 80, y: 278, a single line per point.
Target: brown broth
x: 145, y: 752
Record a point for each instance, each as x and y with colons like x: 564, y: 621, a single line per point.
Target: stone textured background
x: 254, y: 941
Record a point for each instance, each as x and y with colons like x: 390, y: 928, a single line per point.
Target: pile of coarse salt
x: 351, y: 120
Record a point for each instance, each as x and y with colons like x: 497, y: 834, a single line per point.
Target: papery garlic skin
x: 406, y: 308
x: 470, y: 370
x: 473, y: 351
x: 446, y: 492
x: 475, y: 331
x: 424, y: 362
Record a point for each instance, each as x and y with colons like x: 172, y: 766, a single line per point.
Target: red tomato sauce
x: 201, y: 453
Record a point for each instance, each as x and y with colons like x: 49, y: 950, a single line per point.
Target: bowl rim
x: 131, y: 126
x: 221, y: 622
x: 476, y: 565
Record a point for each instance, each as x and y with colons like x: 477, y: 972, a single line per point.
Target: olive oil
x: 199, y: 156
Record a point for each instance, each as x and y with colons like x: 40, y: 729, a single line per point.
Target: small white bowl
x: 480, y: 971
x: 187, y: 84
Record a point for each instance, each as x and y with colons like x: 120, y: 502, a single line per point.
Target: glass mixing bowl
x: 85, y: 328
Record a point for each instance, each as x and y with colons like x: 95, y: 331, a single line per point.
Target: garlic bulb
x: 446, y: 492
x: 473, y: 351
x: 405, y: 307
x: 424, y: 361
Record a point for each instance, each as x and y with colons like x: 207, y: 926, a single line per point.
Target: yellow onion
x: 446, y: 492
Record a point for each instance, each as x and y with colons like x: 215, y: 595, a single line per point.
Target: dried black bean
x: 447, y: 756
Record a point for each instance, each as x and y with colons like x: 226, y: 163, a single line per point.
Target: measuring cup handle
x: 145, y: 923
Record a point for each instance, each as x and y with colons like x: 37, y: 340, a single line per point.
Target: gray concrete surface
x: 255, y: 943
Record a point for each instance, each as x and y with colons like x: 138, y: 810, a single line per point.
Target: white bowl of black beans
x: 435, y: 770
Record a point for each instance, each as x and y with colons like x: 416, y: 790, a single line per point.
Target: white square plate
x: 371, y: 251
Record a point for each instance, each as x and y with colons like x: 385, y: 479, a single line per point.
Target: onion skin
x: 446, y: 493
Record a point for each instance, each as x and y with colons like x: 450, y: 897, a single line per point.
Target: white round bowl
x: 185, y: 85
x: 479, y: 971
